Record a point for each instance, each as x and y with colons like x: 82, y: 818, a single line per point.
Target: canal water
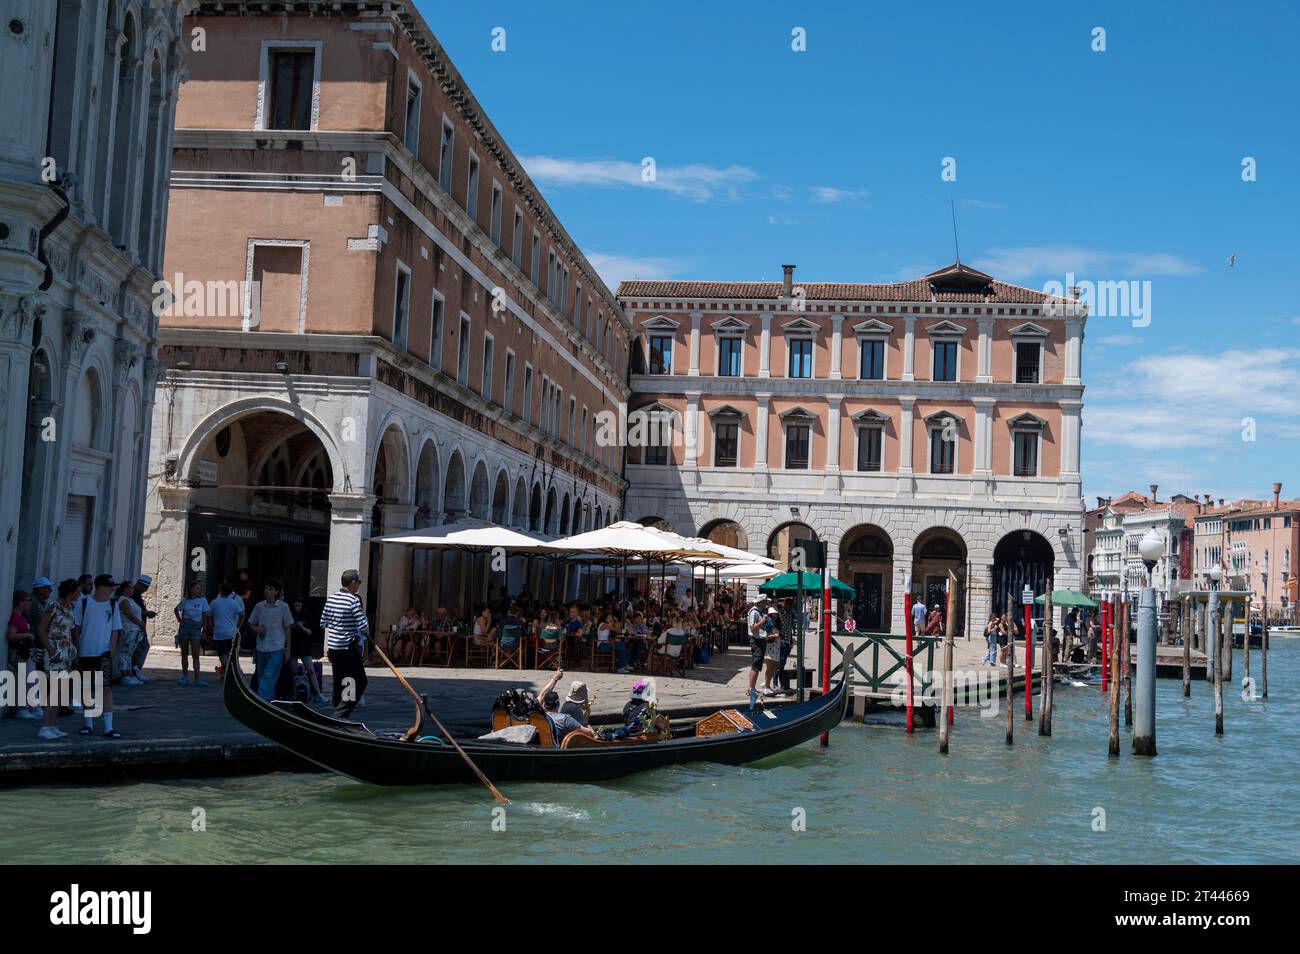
x: 875, y: 796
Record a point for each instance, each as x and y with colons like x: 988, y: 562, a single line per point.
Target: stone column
x: 16, y: 318
x: 833, y: 482
x: 690, y: 474
x: 694, y: 369
x: 837, y: 340
x: 984, y: 436
x: 905, y: 435
x: 985, y: 373
x: 909, y: 348
x: 765, y: 348
x: 761, y: 479
x: 394, y: 588
x: 176, y: 562
x: 1073, y: 351
x: 349, y: 526
x: 1071, y: 426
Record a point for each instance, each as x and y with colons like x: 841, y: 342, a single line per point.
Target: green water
x: 874, y: 796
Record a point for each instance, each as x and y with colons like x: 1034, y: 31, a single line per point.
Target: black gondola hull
x: 352, y: 750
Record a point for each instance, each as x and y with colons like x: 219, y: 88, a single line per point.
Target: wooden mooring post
x: 1217, y: 623
x: 1011, y: 670
x: 945, y: 713
x: 1263, y: 650
x: 1049, y: 666
x: 1188, y: 618
x: 1245, y: 645
x: 1112, y: 664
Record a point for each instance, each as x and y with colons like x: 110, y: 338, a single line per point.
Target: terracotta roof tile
x: 919, y: 290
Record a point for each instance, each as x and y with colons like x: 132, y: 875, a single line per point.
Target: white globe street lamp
x: 1151, y: 548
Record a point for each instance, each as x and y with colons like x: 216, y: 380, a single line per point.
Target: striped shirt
x: 343, y: 619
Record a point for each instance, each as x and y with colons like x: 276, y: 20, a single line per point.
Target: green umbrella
x: 1068, y: 598
x: 787, y: 584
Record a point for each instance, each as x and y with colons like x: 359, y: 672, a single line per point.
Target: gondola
x: 352, y: 749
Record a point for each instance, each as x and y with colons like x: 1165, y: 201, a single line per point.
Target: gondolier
x: 345, y: 624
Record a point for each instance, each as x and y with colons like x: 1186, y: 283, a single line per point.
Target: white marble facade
x: 85, y: 131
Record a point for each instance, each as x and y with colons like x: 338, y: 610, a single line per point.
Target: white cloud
x: 1086, y: 263
x: 827, y: 195
x: 1186, y: 400
x: 695, y: 181
x: 616, y: 268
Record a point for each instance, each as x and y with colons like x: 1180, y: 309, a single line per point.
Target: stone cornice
x: 644, y: 384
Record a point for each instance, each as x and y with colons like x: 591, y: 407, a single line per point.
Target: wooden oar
x: 422, y: 703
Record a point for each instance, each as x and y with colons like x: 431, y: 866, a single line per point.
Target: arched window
x: 128, y: 85
x: 86, y: 420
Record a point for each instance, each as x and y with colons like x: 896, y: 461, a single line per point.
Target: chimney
x: 1101, y: 502
x: 1220, y: 503
x: 1154, y: 488
x: 1277, y: 492
x: 787, y: 282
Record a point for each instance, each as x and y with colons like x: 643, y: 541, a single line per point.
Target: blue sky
x: 1121, y: 166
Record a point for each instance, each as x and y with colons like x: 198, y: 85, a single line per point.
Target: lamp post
x: 1151, y: 548
x: 1214, y: 659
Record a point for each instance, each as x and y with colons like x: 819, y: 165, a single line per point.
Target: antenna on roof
x: 957, y: 248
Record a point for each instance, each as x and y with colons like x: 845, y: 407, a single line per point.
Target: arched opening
x: 155, y: 129
x: 501, y: 500
x: 535, y: 510
x: 552, y: 514
x: 519, y: 515
x: 128, y: 95
x: 785, y: 538
x: 659, y: 523
x: 727, y: 533
x: 867, y: 564
x: 454, y: 494
x: 480, y: 507
x: 935, y: 552
x: 249, y: 510
x: 426, y: 563
x: 1021, y: 559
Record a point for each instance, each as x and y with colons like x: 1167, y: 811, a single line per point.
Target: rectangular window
x: 726, y: 438
x: 494, y: 221
x: 278, y: 271
x: 1027, y: 353
x: 446, y: 152
x: 661, y: 354
x: 800, y: 357
x: 517, y: 241
x: 536, y: 262
x: 873, y: 361
x: 586, y: 434
x: 657, y: 453
x: 573, y: 420
x: 508, y: 398
x: 292, y: 75
x: 945, y: 361
x: 462, y: 354
x: 577, y: 304
x: 729, y: 355
x: 943, y: 452
x: 527, y: 408
x: 486, y: 387
x: 401, y: 306
x: 870, y: 441
x: 411, y: 135
x: 435, y: 332
x: 797, y: 439
x: 551, y: 277
x: 471, y: 189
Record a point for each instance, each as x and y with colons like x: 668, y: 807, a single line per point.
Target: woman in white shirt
x: 194, y: 617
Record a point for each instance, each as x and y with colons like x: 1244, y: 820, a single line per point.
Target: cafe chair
x: 548, y: 654
x: 669, y: 655
x: 602, y: 654
x: 510, y: 647
x: 476, y: 653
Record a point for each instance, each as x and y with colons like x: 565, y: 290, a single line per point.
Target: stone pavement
x: 173, y: 730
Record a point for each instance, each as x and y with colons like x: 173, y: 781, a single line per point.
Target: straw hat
x: 577, y: 692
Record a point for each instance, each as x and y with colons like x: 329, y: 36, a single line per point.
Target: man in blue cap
x: 42, y: 600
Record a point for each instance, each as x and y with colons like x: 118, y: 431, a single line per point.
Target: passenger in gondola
x: 638, y: 714
x: 562, y: 723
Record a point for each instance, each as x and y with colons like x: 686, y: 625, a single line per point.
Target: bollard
x: 1144, y: 727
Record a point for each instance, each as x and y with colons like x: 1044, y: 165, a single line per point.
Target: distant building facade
x: 379, y: 322
x: 85, y: 148
x: 917, y: 428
